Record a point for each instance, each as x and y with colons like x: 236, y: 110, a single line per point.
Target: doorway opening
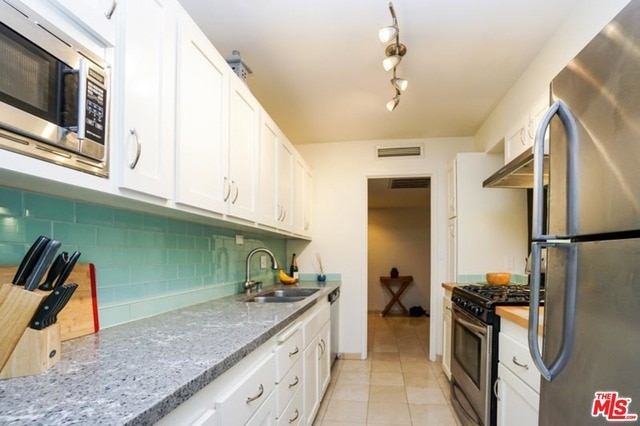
x: 398, y: 236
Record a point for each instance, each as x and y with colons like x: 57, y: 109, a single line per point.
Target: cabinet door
x: 324, y: 360
x: 517, y: 140
x: 308, y: 202
x: 96, y: 16
x: 286, y: 155
x: 146, y: 66
x: 244, y: 118
x: 452, y: 246
x: 201, y: 126
x: 446, y: 336
x: 311, y: 399
x: 298, y: 197
x: 517, y: 402
x: 268, y: 204
x: 265, y: 415
x: 451, y: 190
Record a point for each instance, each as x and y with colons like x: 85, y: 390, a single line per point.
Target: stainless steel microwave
x: 54, y: 102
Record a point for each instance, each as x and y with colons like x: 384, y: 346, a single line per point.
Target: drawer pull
x: 295, y: 417
x: 253, y: 398
x: 294, y: 383
x: 295, y: 351
x: 515, y: 361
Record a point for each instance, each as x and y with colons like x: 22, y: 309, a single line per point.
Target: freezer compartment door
x: 600, y: 87
x: 604, y: 356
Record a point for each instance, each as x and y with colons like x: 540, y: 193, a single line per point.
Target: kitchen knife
x: 54, y: 272
x: 30, y: 259
x: 68, y: 290
x: 37, y: 322
x: 42, y: 265
x: 68, y: 268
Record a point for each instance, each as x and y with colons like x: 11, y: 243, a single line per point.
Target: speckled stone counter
x: 136, y: 373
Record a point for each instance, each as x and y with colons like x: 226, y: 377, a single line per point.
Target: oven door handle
x: 480, y: 331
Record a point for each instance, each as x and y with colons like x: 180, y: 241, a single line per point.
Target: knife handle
x: 45, y: 308
x: 42, y: 265
x: 29, y: 260
x: 54, y: 271
x: 68, y: 268
x: 69, y: 289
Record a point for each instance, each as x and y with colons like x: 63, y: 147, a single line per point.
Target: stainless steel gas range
x: 474, y: 347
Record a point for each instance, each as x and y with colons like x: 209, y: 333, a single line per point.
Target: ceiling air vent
x: 409, y: 183
x: 402, y: 151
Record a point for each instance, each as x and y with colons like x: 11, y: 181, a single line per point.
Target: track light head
x: 400, y: 83
x: 386, y: 34
x: 393, y: 103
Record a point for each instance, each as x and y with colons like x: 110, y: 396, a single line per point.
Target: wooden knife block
x: 24, y: 351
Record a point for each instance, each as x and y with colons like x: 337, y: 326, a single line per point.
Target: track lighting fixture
x: 394, y: 53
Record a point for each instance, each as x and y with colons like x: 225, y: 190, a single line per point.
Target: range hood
x: 518, y: 173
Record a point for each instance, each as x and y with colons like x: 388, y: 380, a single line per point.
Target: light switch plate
x: 263, y: 262
x: 239, y: 239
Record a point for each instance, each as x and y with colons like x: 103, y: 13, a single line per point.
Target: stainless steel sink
x: 285, y: 295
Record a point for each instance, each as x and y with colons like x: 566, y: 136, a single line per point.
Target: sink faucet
x: 248, y: 283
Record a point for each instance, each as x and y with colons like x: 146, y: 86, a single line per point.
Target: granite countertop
x: 136, y: 373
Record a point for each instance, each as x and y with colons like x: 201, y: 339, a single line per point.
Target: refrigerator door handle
x: 566, y: 343
x: 560, y: 109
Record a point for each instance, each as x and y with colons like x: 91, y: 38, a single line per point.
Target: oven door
x: 471, y: 359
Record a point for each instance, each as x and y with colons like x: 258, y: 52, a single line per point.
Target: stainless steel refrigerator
x: 591, y: 347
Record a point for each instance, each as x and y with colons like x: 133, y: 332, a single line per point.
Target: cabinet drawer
x: 317, y: 319
x: 291, y: 383
x: 241, y: 401
x: 288, y: 352
x: 515, y: 356
x: 292, y: 414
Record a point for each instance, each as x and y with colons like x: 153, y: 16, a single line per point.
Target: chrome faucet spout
x: 248, y: 283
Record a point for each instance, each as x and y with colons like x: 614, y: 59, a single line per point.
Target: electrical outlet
x: 263, y: 262
x: 239, y: 239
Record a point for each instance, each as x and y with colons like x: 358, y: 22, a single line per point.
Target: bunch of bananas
x: 286, y: 279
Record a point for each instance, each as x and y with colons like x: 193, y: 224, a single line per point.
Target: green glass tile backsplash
x: 145, y: 264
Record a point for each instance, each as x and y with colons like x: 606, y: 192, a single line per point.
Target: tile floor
x: 396, y: 385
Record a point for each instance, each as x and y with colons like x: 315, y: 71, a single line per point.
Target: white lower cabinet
x: 317, y: 360
x: 270, y: 386
x: 446, y: 334
x: 518, y: 382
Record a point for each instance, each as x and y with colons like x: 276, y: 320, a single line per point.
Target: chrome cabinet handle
x: 294, y: 383
x: 295, y: 351
x: 539, y: 240
x: 227, y: 189
x: 253, y: 398
x: 295, y: 417
x: 109, y: 13
x: 235, y: 198
x: 522, y: 135
x: 515, y: 361
x: 495, y: 388
x: 284, y: 213
x: 132, y: 164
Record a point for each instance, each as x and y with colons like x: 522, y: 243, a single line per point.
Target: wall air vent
x: 401, y: 151
x: 409, y: 183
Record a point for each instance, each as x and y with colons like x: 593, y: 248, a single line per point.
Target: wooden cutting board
x: 80, y: 316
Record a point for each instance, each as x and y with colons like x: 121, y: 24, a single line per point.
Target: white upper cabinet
x: 522, y: 135
x: 244, y: 122
x: 95, y: 16
x: 303, y: 193
x: 145, y: 97
x: 277, y: 171
x: 202, y: 102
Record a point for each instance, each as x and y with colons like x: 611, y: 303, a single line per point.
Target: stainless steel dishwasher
x: 334, y: 299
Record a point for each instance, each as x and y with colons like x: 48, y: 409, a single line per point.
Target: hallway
x: 396, y: 385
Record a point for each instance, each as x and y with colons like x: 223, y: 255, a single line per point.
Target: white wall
x: 587, y: 20
x: 340, y: 173
x: 399, y: 237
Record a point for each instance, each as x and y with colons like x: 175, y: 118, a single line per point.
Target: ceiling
x: 317, y: 65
